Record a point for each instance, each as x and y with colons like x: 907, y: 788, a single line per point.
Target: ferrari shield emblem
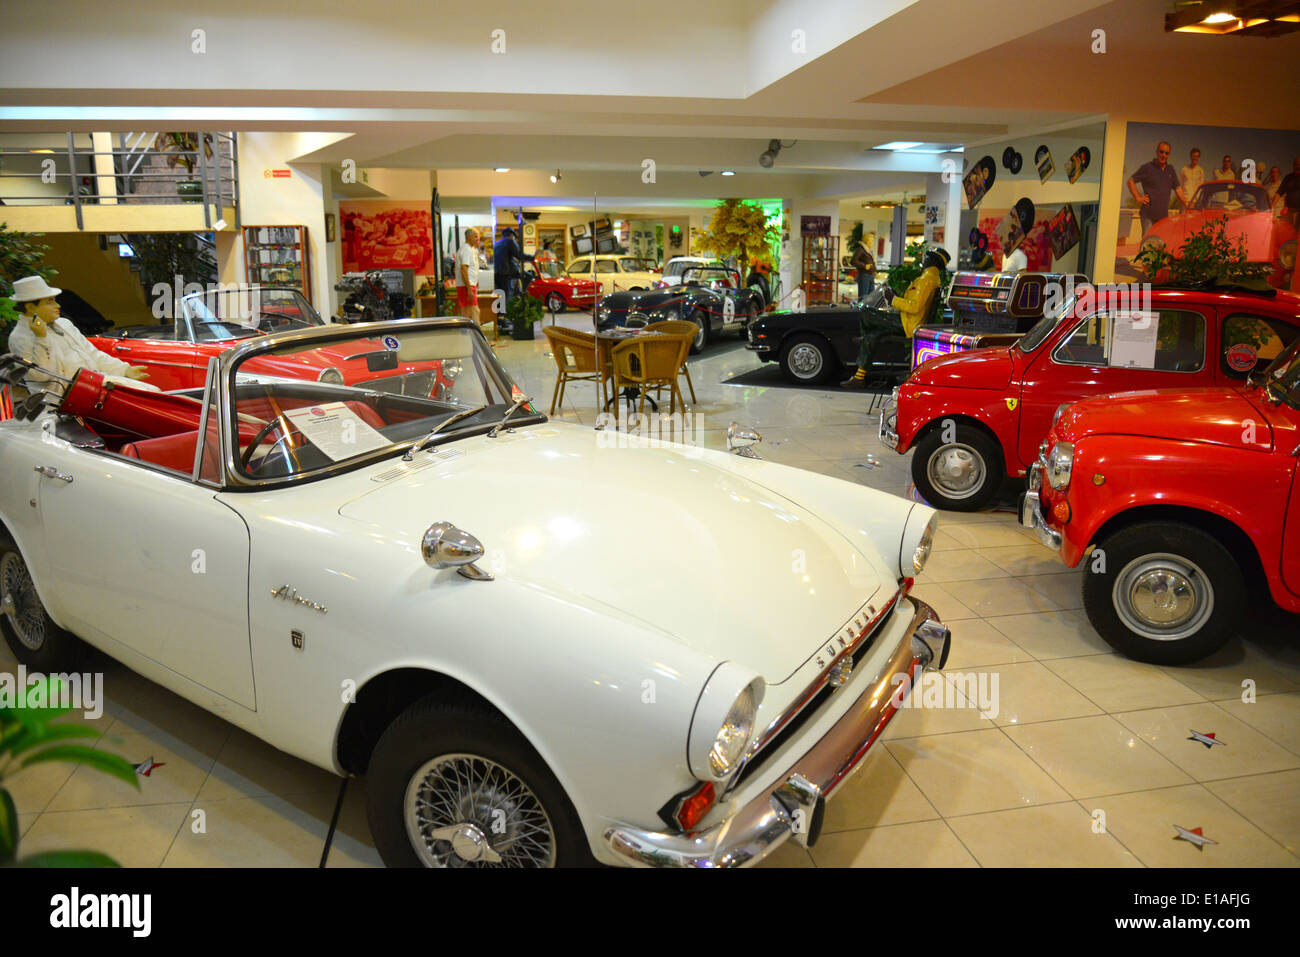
x: 1011, y: 404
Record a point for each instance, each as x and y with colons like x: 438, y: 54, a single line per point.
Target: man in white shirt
x: 1016, y: 260
x: 467, y: 275
x: 1192, y: 175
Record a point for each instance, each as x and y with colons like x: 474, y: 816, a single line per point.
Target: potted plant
x: 1207, y: 258
x: 20, y: 256
x: 522, y: 312
x: 182, y: 149
x: 737, y: 229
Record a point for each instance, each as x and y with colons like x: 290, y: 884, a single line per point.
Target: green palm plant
x: 30, y: 735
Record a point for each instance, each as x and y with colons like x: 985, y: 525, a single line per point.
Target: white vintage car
x: 541, y: 646
x: 614, y: 273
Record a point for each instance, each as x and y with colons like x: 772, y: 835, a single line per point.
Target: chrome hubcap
x: 956, y: 470
x: 1163, y: 597
x: 556, y: 303
x: 19, y: 603
x: 699, y: 335
x: 463, y: 810
x: 805, y: 360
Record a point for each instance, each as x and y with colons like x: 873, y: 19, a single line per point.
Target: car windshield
x: 247, y: 311
x: 1038, y: 334
x: 548, y: 268
x: 312, y: 405
x: 703, y: 275
x: 1282, y: 378
x: 1231, y: 195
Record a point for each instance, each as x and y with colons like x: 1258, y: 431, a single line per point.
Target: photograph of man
x: 1157, y: 179
x: 1289, y: 190
x: 467, y: 275
x: 1226, y: 170
x: 1192, y: 175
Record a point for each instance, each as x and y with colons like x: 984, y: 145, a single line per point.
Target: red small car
x: 975, y: 418
x: 1187, y: 498
x: 560, y: 292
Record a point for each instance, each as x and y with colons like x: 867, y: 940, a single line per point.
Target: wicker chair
x: 678, y: 327
x: 575, y: 358
x: 650, y: 362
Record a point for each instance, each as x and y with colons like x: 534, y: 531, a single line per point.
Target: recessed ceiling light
x: 728, y: 172
x: 503, y: 169
x: 1220, y: 18
x: 898, y: 145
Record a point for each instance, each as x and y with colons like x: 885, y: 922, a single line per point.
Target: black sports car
x: 821, y: 345
x: 709, y: 296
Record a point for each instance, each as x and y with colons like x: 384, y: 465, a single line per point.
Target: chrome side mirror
x: 740, y: 438
x: 446, y: 546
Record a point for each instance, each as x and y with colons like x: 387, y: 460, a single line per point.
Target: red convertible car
x: 1191, y: 501
x: 1245, y: 209
x: 560, y: 292
x: 176, y: 354
x: 975, y: 418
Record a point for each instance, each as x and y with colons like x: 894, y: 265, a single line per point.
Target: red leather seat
x: 170, y: 451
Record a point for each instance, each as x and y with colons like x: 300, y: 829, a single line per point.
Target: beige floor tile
x: 974, y: 771
x: 1276, y: 716
x: 352, y: 845
x: 132, y: 836
x: 1144, y: 823
x: 1028, y: 692
x: 922, y: 714
x: 1063, y: 591
x: 948, y: 608
x: 945, y: 541
x: 999, y: 596
x: 1242, y: 749
x: 1020, y: 561
x: 1051, y: 634
x: 788, y: 854
x: 256, y: 832
x: 248, y: 767
x: 878, y: 794
x: 985, y: 534
x: 177, y: 778
x: 33, y: 788
x: 1222, y: 675
x: 25, y: 822
x: 921, y: 844
x: 1095, y: 756
x: 959, y: 564
x: 1051, y: 835
x: 976, y: 643
x: 1269, y: 801
x: 1116, y: 683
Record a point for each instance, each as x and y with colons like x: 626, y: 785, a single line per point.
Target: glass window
x: 1038, y: 334
x: 606, y: 266
x: 1178, y: 346
x: 631, y: 264
x: 1248, y: 336
x: 579, y: 266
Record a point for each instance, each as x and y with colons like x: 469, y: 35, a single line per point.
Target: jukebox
x: 988, y: 309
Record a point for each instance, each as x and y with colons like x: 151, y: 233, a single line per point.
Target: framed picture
x: 329, y: 228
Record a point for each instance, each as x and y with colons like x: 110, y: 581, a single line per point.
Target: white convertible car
x: 540, y: 647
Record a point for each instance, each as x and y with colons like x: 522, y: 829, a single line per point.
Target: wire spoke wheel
x: 464, y: 810
x: 20, y: 603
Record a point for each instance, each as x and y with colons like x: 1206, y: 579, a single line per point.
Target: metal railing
x: 144, y: 169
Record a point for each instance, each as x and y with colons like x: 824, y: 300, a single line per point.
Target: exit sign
x: 277, y: 173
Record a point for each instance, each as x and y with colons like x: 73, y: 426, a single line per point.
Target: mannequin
x: 906, y: 312
x: 42, y: 337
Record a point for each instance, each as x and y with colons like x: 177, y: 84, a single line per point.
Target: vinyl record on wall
x: 1079, y: 161
x: 1008, y: 155
x: 978, y: 181
x: 1043, y: 161
x: 1024, y: 210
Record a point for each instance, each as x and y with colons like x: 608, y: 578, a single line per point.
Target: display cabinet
x: 278, y: 256
x: 821, y: 269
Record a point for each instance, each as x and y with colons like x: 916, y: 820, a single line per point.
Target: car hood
x: 1212, y: 416
x: 671, y: 536
x: 976, y: 369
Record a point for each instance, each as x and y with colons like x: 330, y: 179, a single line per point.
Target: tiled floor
x: 1087, y: 761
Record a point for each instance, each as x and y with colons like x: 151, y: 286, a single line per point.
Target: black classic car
x: 709, y: 296
x: 821, y: 345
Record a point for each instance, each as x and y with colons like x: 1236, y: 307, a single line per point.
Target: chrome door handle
x: 49, y: 471
x: 121, y: 348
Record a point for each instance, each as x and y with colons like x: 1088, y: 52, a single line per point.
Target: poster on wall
x: 379, y: 234
x: 1063, y: 231
x: 1179, y: 178
x: 978, y: 181
x: 1015, y: 225
x: 1080, y: 160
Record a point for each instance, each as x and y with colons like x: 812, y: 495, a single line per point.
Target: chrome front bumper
x: 1031, y: 517
x: 795, y: 804
x: 889, y: 421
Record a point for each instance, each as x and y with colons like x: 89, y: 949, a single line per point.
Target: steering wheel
x: 257, y: 441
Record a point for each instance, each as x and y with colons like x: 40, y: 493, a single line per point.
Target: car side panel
x: 997, y: 409
x: 172, y: 365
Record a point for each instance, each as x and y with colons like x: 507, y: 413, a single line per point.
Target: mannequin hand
x: 137, y: 372
x: 889, y: 293
x: 38, y: 326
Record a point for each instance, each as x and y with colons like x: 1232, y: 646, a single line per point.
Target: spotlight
x: 767, y: 159
x: 556, y: 177
x: 503, y: 169
x: 728, y: 172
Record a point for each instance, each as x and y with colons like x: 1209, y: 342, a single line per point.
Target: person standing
x: 1226, y: 170
x: 865, y: 264
x: 467, y: 275
x: 1016, y: 260
x: 1157, y: 179
x: 1193, y: 174
x: 507, y: 257
x: 1273, y: 186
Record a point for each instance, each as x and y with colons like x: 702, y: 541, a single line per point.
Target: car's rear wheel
x: 702, y: 331
x: 957, y: 467
x: 555, y: 302
x: 808, y: 360
x: 29, y: 631
x: 1163, y: 592
x: 454, y: 785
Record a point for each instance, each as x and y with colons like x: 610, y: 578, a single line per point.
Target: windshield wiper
x: 511, y: 411
x: 463, y: 414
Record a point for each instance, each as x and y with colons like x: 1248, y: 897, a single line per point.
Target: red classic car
x: 1189, y: 498
x: 176, y: 354
x: 976, y: 417
x: 1245, y: 209
x: 560, y: 292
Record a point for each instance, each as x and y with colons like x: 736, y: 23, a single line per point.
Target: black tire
x: 433, y: 728
x: 808, y: 360
x: 555, y: 303
x: 1140, y: 557
x: 701, y: 319
x: 35, y: 640
x: 963, y: 475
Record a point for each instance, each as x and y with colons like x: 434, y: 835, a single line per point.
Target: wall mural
x: 380, y: 234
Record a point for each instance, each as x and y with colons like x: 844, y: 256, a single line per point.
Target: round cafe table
x: 606, y: 340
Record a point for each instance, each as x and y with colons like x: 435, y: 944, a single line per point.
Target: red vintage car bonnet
x: 1212, y: 416
x: 977, y: 369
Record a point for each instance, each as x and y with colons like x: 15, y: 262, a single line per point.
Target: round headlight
x: 922, y: 551
x: 1059, y: 464
x: 733, y: 737
x: 452, y: 368
x: 1060, y: 410
x: 331, y: 377
x: 1286, y: 255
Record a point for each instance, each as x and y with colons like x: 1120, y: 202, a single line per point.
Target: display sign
x: 336, y: 430
x: 1133, y: 340
x: 815, y: 225
x: 277, y: 173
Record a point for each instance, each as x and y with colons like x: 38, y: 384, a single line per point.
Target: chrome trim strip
x: 1031, y: 517
x: 172, y: 365
x: 200, y: 445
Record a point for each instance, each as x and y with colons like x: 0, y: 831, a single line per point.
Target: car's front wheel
x: 702, y: 331
x: 29, y: 631
x: 555, y: 303
x: 1163, y: 592
x: 957, y: 467
x: 808, y: 360
x: 454, y: 785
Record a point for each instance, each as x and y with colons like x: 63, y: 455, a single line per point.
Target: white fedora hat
x: 32, y: 289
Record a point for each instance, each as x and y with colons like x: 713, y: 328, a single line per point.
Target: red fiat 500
x: 1189, y: 498
x: 977, y: 417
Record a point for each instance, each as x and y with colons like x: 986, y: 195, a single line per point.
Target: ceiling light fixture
x: 503, y: 169
x: 1238, y: 17
x: 706, y: 172
x: 728, y: 172
x: 767, y: 159
x: 556, y: 177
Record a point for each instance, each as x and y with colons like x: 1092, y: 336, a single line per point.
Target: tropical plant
x: 20, y: 255
x: 855, y: 237
x: 165, y: 258
x: 738, y: 229
x: 30, y: 735
x: 182, y: 149
x: 1207, y: 257
x: 900, y: 277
